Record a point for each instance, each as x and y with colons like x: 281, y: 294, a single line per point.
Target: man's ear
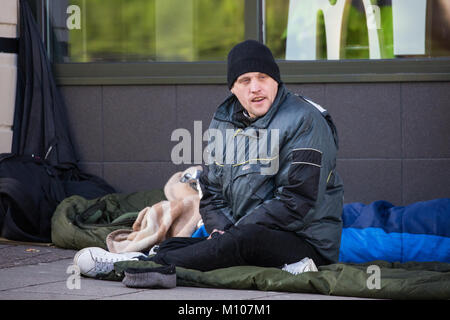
x: 231, y: 90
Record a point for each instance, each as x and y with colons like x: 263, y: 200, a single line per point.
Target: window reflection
x: 357, y: 29
x: 145, y: 30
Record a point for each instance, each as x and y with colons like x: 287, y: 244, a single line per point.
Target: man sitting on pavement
x: 263, y: 211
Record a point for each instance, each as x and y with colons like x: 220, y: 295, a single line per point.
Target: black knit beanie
x: 251, y: 56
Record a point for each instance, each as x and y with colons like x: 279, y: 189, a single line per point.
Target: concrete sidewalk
x: 35, y: 272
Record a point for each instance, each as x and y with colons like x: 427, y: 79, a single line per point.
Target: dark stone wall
x: 394, y: 137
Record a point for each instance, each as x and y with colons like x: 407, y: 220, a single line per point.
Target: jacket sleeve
x: 214, y: 209
x: 301, y: 171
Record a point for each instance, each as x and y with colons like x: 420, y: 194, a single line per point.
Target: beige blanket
x: 177, y: 217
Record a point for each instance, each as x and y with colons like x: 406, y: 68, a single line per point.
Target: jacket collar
x: 231, y: 111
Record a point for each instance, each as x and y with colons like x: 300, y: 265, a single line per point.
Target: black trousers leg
x: 240, y: 245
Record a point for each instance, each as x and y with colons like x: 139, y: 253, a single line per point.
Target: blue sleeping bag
x: 381, y: 231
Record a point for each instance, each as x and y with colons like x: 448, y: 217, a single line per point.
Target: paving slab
x: 32, y: 272
x: 191, y: 293
x: 14, y: 295
x: 12, y: 255
x: 32, y: 275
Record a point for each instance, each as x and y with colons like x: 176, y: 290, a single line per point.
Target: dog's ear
x: 176, y: 190
x: 192, y: 172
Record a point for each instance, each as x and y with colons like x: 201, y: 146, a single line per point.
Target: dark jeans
x: 240, y: 245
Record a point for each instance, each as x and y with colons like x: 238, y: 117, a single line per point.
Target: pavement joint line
x: 120, y: 294
x: 268, y: 295
x: 97, y: 296
x: 31, y: 285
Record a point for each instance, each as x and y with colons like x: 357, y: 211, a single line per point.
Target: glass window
x: 357, y: 29
x: 144, y: 30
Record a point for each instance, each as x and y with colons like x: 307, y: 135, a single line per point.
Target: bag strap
x: 80, y: 219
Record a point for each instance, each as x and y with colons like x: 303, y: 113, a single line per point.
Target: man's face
x: 256, y: 92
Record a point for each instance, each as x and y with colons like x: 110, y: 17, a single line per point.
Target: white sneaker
x: 304, y: 265
x: 93, y: 260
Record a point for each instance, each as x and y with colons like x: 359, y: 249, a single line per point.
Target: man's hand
x: 214, y: 231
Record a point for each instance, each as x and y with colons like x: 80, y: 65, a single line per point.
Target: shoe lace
x: 104, y: 265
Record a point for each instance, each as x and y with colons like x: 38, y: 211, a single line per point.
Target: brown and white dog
x: 178, y: 216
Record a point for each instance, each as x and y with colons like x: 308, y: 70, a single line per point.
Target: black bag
x: 42, y: 170
x: 30, y: 191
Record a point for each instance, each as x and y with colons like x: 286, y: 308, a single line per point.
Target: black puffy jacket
x: 278, y: 171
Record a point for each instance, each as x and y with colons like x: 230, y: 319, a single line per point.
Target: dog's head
x: 183, y: 184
